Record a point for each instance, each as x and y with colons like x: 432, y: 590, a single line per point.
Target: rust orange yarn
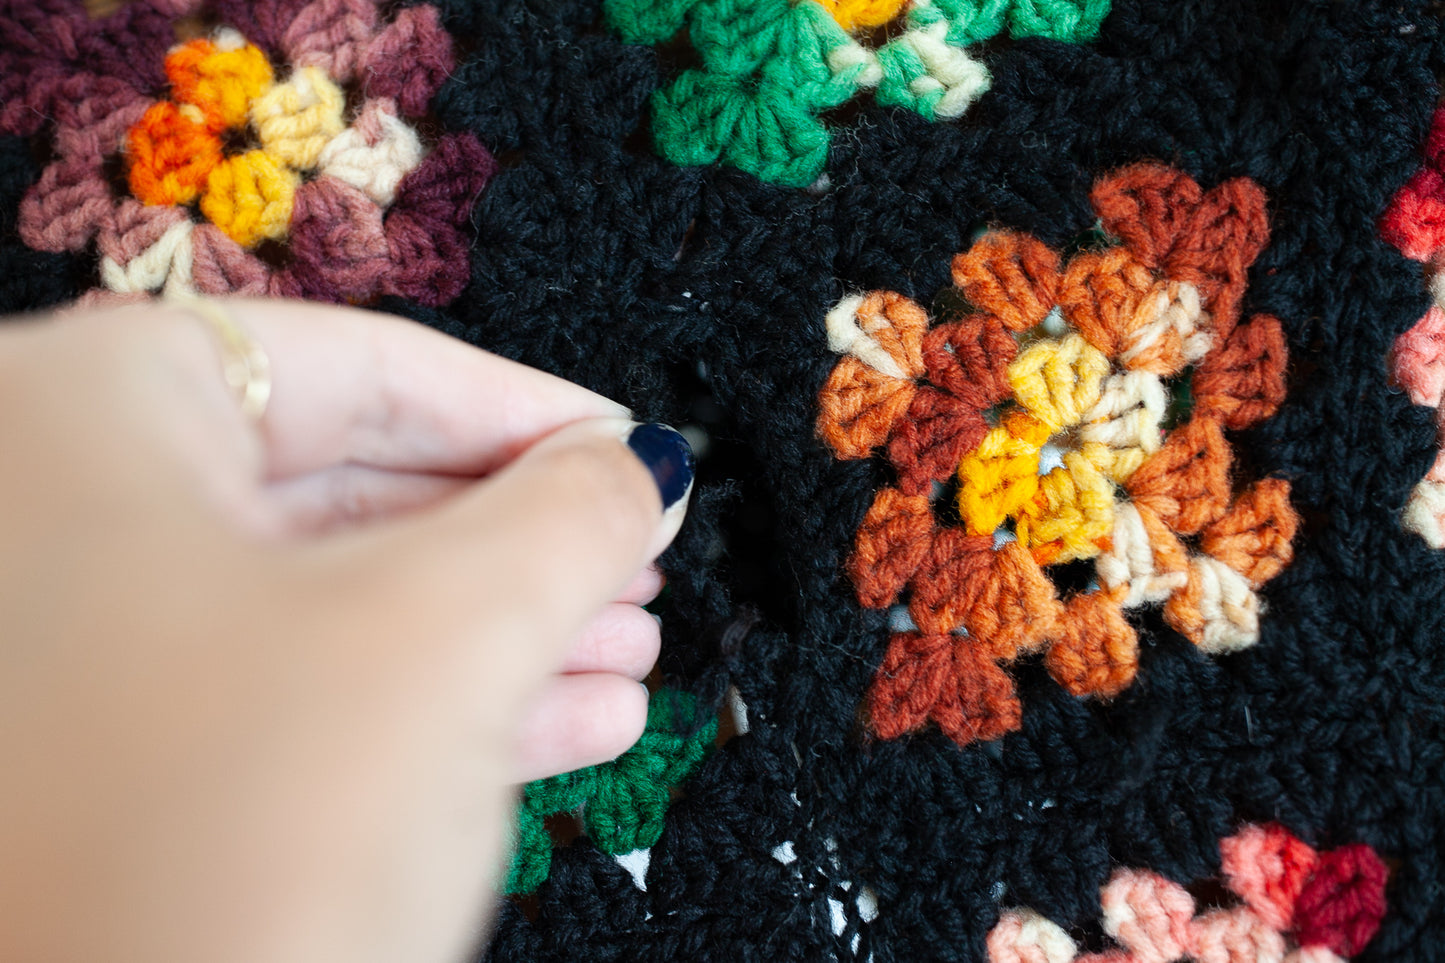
x: 946, y: 680
x: 1096, y: 650
x: 896, y: 534
x: 928, y: 441
x: 1255, y: 538
x: 1049, y: 402
x: 1186, y: 484
x: 1010, y: 276
x: 865, y: 395
x: 863, y: 405
x: 1242, y: 383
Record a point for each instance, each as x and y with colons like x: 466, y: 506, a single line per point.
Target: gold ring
x: 244, y: 363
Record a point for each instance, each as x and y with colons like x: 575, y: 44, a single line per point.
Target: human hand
x: 261, y: 685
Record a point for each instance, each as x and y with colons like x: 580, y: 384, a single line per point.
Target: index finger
x: 357, y: 387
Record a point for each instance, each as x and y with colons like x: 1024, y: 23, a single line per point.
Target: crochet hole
x: 949, y: 304
x: 274, y: 254
x: 1070, y: 578
x: 674, y: 55
x: 509, y: 159
x: 747, y: 543
x: 1181, y: 404
x: 945, y: 502
x: 687, y: 237
x: 1210, y: 893
x: 116, y: 174
x: 564, y: 828
x: 638, y: 142
x: 239, y: 140
x: 1051, y: 455
x: 1089, y: 937
x: 883, y: 33
x: 845, y: 115
x: 1094, y: 240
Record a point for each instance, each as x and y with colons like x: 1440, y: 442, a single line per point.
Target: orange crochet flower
x: 175, y: 150
x: 1050, y: 401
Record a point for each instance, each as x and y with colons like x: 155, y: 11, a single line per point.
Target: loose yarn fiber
x: 1059, y: 573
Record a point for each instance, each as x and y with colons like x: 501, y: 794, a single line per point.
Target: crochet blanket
x: 1062, y: 579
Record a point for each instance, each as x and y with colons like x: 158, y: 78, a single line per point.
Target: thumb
x: 524, y: 559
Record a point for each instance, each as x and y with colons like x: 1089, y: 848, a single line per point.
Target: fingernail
x: 668, y: 456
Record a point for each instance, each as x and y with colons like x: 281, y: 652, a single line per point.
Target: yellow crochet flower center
x: 1066, y: 400
x: 220, y: 85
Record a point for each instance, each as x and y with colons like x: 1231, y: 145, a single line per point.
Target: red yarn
x: 1341, y: 906
x: 1415, y: 219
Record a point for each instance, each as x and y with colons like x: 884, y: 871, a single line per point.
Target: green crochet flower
x: 622, y: 802
x: 771, y: 67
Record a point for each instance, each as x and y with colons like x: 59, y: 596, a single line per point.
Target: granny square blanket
x: 1065, y: 577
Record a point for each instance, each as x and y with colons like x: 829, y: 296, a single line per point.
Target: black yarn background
x: 698, y: 296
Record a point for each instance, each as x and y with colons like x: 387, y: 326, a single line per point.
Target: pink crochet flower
x: 276, y: 156
x: 1295, y: 906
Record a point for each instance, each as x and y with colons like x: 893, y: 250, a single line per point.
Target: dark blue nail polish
x: 668, y: 456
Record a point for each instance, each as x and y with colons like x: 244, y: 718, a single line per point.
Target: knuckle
x: 619, y: 715
x: 625, y: 640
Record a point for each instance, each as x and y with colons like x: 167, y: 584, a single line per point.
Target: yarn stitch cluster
x: 1049, y: 399
x: 622, y: 802
x: 322, y: 162
x: 1295, y: 905
x: 771, y: 68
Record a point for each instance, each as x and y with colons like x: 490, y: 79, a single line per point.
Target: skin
x: 266, y: 690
